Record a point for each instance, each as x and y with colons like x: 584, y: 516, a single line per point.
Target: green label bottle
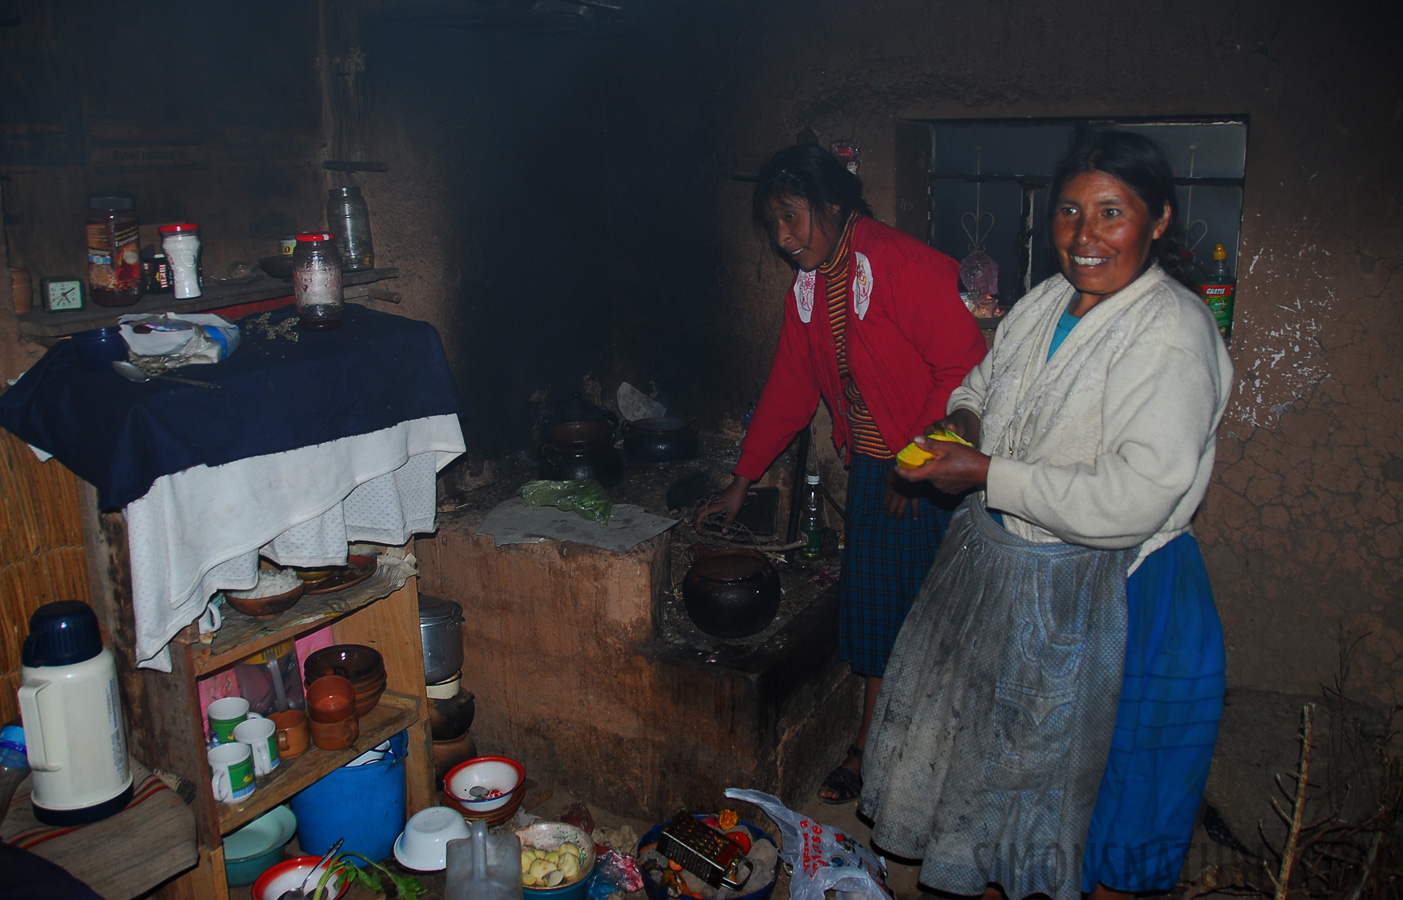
x: 1219, y: 289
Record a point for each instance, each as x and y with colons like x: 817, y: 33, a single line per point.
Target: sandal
x: 845, y: 784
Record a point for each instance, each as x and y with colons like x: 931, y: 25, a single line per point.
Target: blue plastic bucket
x: 363, y: 804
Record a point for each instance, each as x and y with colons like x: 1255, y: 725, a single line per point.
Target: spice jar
x: 316, y: 282
x: 114, y: 263
x: 181, y: 244
x: 349, y: 220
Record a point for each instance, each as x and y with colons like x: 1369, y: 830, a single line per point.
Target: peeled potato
x: 527, y: 858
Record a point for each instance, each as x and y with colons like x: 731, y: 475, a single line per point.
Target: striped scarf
x: 837, y: 277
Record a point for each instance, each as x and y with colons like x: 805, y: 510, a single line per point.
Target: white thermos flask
x: 74, y: 731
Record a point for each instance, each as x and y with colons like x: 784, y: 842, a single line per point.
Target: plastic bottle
x: 114, y: 262
x: 181, y: 244
x: 1219, y: 289
x: 14, y: 764
x: 316, y: 282
x: 348, y: 218
x: 811, y: 522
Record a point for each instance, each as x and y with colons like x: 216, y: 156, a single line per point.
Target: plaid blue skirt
x: 884, y: 564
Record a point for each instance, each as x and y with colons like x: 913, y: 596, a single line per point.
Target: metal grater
x: 705, y: 852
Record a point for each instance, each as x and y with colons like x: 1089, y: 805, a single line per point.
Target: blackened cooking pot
x: 660, y: 440
x: 731, y: 592
x: 603, y: 464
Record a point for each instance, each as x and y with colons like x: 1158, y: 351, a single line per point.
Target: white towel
x: 201, y: 530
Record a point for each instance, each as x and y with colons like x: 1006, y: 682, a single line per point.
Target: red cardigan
x: 910, y: 343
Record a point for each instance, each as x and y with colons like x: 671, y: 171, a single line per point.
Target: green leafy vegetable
x: 406, y: 888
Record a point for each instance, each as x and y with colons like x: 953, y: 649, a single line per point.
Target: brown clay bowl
x: 366, y: 702
x: 266, y: 607
x: 494, y: 817
x: 356, y: 663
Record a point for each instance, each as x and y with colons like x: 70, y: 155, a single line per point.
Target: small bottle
x: 811, y: 522
x: 348, y: 218
x: 14, y: 764
x: 316, y: 282
x: 1219, y: 290
x: 181, y: 245
x: 114, y: 262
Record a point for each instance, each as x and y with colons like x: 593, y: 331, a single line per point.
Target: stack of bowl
x: 488, y: 787
x: 363, y: 666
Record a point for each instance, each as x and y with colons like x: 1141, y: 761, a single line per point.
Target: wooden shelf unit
x: 164, y: 727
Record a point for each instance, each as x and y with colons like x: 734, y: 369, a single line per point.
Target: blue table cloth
x: 276, y: 394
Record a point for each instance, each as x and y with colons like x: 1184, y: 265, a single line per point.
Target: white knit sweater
x: 1111, y: 442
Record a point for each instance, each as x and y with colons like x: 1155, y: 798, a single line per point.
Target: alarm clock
x: 62, y: 293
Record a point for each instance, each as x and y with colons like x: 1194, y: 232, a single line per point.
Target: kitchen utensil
x: 277, y: 266
x: 660, y: 440
x: 290, y: 873
x: 484, y: 866
x: 254, y: 848
x: 731, y: 592
x: 499, y: 776
x: 423, y: 845
x: 132, y: 373
x: 300, y: 892
x: 294, y: 732
x: 74, y: 729
x: 99, y: 347
x: 265, y: 607
x: 550, y: 836
x: 232, y: 772
x: 441, y: 633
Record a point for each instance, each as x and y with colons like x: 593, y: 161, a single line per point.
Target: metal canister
x: 440, y: 631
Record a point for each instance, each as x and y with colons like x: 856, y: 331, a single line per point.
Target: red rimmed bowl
x: 290, y: 873
x: 482, y: 786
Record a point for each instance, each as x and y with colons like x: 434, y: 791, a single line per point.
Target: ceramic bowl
x: 266, y: 607
x: 423, y: 845
x: 356, y: 663
x: 501, y: 777
x: 548, y: 836
x: 289, y: 874
x: 253, y: 849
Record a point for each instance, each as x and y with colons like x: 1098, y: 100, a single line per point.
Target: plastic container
x: 316, y: 283
x: 181, y: 245
x: 253, y: 849
x: 14, y: 765
x: 811, y: 520
x: 114, y: 261
x: 348, y: 218
x: 1219, y: 290
x: 484, y: 866
x: 364, y: 804
x: 98, y: 348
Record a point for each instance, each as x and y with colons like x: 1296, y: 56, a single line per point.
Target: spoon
x: 132, y: 373
x: 300, y: 892
x: 477, y: 792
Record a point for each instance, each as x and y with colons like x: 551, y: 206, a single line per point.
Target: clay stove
x: 586, y: 668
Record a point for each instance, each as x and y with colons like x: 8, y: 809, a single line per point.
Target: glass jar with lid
x: 316, y: 282
x: 114, y: 264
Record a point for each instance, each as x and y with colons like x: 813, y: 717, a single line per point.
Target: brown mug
x: 293, y: 732
x: 331, y: 699
x: 336, y: 735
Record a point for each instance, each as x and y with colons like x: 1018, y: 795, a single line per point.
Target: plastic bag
x: 980, y: 274
x: 823, y: 858
x: 179, y: 339
x: 584, y: 496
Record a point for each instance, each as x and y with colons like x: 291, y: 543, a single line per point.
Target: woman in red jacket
x: 874, y: 325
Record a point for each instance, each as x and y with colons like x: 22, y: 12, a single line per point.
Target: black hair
x: 813, y: 174
x: 1141, y: 165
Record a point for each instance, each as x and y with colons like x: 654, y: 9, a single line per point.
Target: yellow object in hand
x: 913, y: 457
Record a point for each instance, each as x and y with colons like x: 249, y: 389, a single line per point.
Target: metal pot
x: 660, y: 440
x: 603, y: 464
x: 731, y: 592
x: 441, y: 634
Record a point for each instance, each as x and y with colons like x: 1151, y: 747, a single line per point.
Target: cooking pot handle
x: 625, y: 426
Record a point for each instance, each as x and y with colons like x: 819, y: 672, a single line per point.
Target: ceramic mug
x: 225, y: 714
x: 331, y: 707
x: 293, y: 734
x: 261, y: 735
x: 231, y: 772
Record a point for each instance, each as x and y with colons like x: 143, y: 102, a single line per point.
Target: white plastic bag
x: 823, y: 858
x: 180, y: 339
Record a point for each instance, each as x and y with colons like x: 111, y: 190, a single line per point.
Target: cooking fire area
x: 588, y: 667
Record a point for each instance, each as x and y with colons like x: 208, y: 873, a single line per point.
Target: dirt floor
x: 1259, y: 741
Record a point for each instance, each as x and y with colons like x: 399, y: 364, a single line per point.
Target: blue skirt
x: 885, y: 562
x: 1171, y: 701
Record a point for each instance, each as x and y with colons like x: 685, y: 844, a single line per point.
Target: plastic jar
x: 114, y: 262
x: 349, y: 220
x: 316, y: 282
x: 181, y: 244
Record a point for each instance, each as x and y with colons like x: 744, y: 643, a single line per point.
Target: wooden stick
x: 1288, y: 857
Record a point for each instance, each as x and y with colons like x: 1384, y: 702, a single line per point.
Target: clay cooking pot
x: 731, y: 592
x: 660, y: 440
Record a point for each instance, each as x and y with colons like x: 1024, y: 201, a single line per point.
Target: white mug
x: 261, y: 735
x: 210, y: 620
x: 231, y: 772
x: 226, y: 714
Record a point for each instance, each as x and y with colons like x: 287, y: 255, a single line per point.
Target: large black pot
x: 731, y: 592
x: 660, y: 440
x: 603, y: 464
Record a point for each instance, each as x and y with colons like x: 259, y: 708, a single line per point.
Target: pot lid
x: 437, y: 611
